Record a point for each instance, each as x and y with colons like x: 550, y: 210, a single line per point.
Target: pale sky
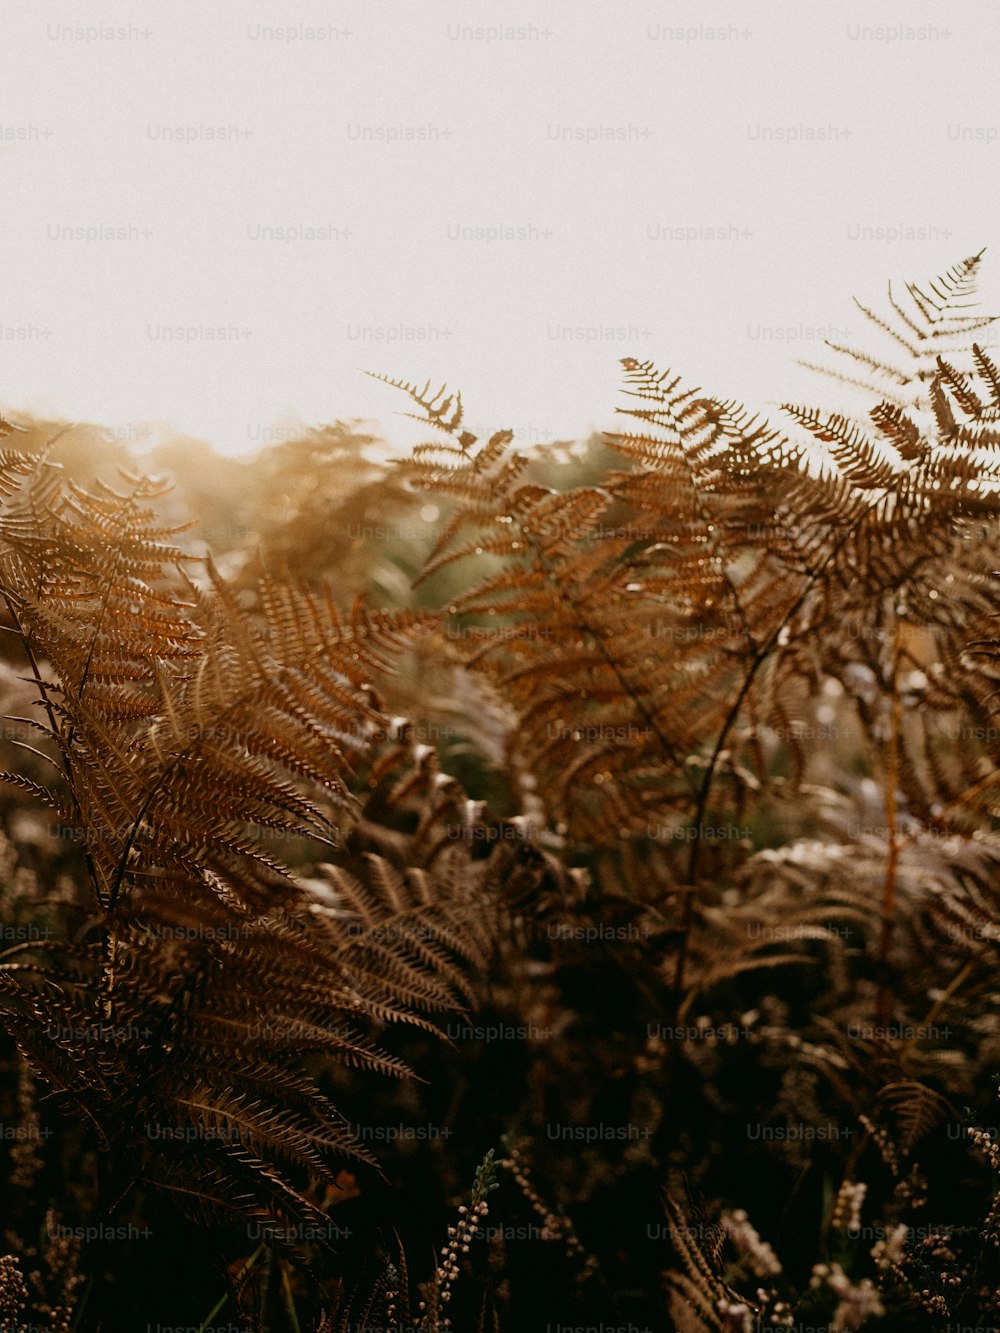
x: 506, y: 197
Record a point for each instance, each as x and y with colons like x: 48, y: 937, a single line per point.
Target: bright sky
x: 507, y: 197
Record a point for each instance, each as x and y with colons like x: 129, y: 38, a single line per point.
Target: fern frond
x: 935, y: 323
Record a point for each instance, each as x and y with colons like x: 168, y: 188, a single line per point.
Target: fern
x: 194, y: 742
x: 739, y: 691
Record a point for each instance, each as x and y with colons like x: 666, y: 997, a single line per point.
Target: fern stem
x: 939, y: 1004
x: 761, y: 656
x: 219, y: 1304
x: 687, y: 918
x: 286, y: 1287
x: 43, y: 689
x: 892, y: 827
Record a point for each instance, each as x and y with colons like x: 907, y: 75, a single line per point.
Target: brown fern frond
x: 916, y: 1109
x: 935, y: 323
x: 196, y: 741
